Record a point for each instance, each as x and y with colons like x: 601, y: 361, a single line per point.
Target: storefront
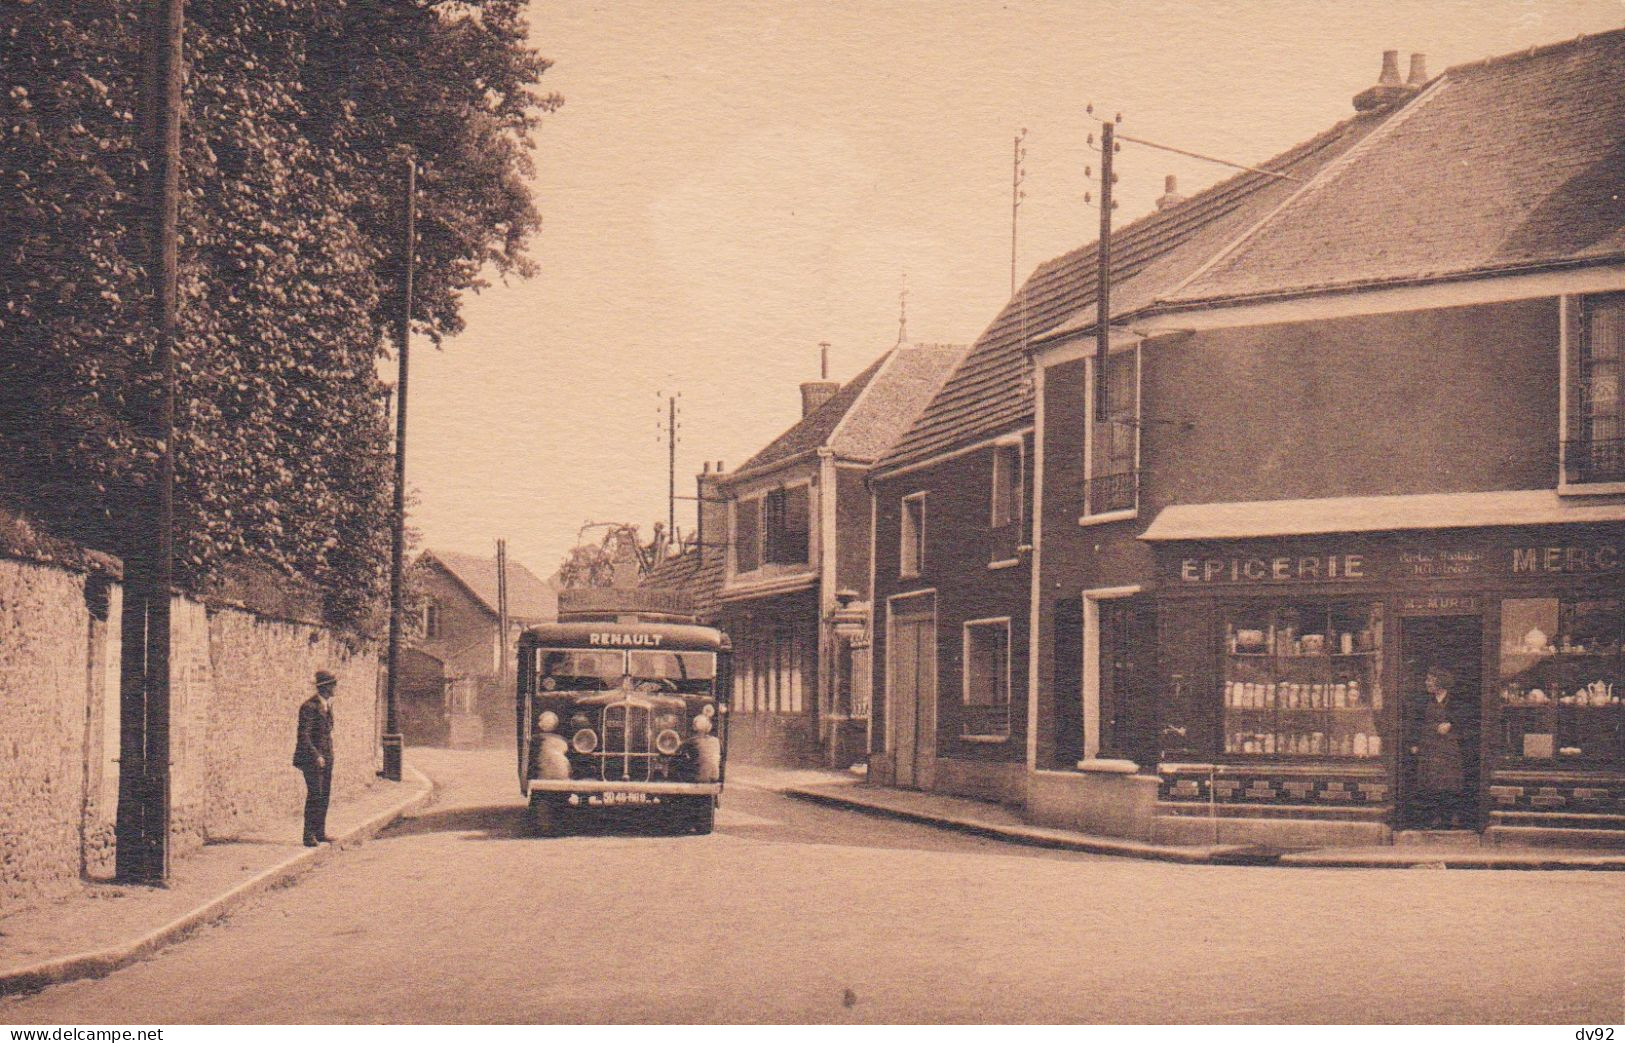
x: 1321, y: 686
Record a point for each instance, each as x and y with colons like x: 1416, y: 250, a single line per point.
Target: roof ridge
x: 1535, y: 51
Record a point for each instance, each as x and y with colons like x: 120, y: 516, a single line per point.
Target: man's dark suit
x: 313, y: 755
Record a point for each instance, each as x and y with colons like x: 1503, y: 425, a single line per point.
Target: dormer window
x: 1594, y: 442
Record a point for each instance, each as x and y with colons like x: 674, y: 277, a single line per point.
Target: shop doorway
x: 912, y: 704
x: 1441, y: 697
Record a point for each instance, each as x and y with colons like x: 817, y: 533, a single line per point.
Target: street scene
x: 792, y: 912
x: 531, y: 512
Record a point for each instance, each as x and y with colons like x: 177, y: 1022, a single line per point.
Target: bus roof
x: 674, y: 637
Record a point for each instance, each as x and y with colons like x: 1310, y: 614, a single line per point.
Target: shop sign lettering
x: 1277, y: 569
x: 1440, y: 562
x: 1528, y: 561
x: 1440, y: 605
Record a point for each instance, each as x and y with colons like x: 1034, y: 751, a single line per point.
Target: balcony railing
x: 1112, y: 492
x: 1594, y: 460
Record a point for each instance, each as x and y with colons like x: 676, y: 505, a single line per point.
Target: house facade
x: 1357, y: 426
x: 1376, y: 443
x: 796, y: 563
x: 955, y: 527
x: 452, y: 676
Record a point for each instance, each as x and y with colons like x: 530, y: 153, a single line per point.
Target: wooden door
x: 912, y: 690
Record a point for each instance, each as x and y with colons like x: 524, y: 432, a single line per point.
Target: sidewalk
x: 848, y: 791
x: 102, y: 927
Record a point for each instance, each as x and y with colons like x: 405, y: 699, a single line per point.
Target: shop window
x: 986, y: 704
x: 1562, y: 681
x: 1113, y: 449
x: 911, y: 558
x: 747, y: 535
x: 1303, y: 680
x: 786, y: 518
x: 1006, y: 506
x: 1594, y: 448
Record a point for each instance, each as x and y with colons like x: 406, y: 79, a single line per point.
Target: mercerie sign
x: 1375, y: 562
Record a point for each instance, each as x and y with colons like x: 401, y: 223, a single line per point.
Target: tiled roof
x: 1508, y: 163
x: 696, y: 574
x: 813, y: 430
x: 863, y: 418
x: 990, y: 394
x: 529, y: 598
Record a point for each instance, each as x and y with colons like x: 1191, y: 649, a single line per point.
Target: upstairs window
x: 911, y: 559
x: 1114, y: 442
x: 748, y: 535
x: 1594, y: 447
x: 1006, y: 506
x: 785, y: 524
x: 431, y: 620
x: 773, y: 529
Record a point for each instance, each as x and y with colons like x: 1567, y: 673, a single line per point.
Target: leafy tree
x: 298, y: 113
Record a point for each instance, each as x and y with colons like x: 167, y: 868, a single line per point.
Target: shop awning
x: 1260, y: 519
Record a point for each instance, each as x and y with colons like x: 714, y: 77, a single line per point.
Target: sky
x: 730, y: 183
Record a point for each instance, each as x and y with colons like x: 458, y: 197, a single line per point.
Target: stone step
x: 1438, y: 838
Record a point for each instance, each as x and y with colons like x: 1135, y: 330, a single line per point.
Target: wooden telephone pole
x: 392, y: 728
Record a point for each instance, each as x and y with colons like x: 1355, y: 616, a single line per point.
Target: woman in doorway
x: 1438, y: 752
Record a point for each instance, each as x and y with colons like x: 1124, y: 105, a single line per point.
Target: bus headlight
x: 702, y: 724
x: 585, y: 740
x: 547, y: 720
x: 668, y: 742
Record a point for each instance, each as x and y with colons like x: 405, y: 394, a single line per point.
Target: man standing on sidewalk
x: 313, y: 755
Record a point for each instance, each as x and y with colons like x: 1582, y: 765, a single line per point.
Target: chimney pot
x: 1389, y: 91
x: 1419, y: 70
x: 1390, y: 69
x: 1170, y: 194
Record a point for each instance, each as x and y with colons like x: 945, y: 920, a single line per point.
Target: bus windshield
x: 578, y: 670
x: 688, y: 672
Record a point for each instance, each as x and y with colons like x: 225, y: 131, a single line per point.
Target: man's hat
x: 325, y: 679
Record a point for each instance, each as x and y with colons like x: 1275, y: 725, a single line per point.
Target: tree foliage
x: 299, y: 114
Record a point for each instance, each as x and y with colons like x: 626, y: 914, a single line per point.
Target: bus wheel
x: 546, y: 815
x: 702, y: 815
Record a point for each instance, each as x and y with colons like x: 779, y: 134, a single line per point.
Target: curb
x: 1032, y: 836
x: 101, y: 962
x: 1226, y: 855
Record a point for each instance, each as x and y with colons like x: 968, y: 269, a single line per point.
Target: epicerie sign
x: 1280, y: 568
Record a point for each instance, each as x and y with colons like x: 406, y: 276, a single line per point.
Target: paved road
x: 792, y: 912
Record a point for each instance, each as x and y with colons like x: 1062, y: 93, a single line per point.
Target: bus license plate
x: 616, y: 797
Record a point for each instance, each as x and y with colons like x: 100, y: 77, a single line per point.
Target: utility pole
x: 1018, y: 174
x: 142, y: 829
x: 392, y: 729
x: 671, y: 466
x: 1103, y: 296
x: 502, y: 614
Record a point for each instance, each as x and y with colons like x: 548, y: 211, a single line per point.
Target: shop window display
x: 1303, y: 680
x: 1563, y: 681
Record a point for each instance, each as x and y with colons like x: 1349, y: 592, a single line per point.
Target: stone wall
x: 237, y: 680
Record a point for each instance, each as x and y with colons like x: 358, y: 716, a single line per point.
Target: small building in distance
x: 453, y: 689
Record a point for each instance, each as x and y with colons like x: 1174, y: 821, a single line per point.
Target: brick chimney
x: 1170, y: 193
x: 712, y: 508
x: 1389, y: 91
x: 815, y: 393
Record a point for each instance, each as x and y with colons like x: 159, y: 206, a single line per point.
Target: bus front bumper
x: 596, y: 787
